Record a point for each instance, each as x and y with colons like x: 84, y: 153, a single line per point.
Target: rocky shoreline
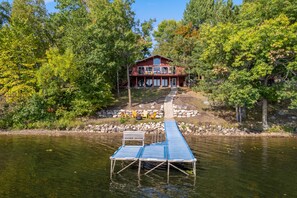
x: 152, y: 127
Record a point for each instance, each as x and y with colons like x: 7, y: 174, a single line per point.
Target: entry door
x: 173, y: 82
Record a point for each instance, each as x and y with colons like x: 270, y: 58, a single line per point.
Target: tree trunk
x: 239, y: 114
x: 129, y: 88
x: 243, y: 113
x: 264, y: 114
x: 118, y: 83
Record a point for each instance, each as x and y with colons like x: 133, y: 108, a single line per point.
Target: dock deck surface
x: 178, y: 148
x: 174, y: 149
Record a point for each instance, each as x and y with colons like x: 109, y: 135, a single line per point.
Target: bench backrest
x: 133, y: 136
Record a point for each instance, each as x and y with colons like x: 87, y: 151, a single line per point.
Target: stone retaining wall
x: 209, y: 129
x: 183, y: 112
x: 185, y: 128
x: 107, y: 128
x: 118, y: 113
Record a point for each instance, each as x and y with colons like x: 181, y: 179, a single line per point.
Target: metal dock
x: 173, y: 150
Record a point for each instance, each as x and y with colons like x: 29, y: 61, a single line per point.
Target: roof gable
x: 152, y: 57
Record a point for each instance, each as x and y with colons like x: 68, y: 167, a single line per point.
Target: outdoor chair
x: 144, y: 114
x: 153, y: 115
x: 134, y: 114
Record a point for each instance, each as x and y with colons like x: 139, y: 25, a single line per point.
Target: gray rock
x: 206, y: 102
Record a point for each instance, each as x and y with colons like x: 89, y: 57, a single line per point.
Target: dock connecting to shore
x: 171, y: 151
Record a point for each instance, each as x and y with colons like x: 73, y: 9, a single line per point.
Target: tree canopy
x: 70, y: 61
x: 246, y: 54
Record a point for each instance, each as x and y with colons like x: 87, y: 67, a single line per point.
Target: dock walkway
x: 173, y: 150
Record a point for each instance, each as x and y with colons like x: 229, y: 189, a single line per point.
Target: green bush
x: 123, y: 120
x: 6, y: 122
x: 35, y: 109
x: 81, y: 107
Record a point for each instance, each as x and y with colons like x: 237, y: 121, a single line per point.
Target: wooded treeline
x: 59, y: 66
x: 246, y: 53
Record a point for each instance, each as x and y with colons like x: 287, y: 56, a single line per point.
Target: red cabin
x: 156, y: 71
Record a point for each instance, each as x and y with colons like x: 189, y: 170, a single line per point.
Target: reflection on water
x: 79, y: 167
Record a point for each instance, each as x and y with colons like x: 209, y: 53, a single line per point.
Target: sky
x: 150, y: 9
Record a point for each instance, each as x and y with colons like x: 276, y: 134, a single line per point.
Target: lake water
x: 72, y: 166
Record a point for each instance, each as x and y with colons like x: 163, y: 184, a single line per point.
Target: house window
x: 173, y: 69
x: 148, y: 70
x: 157, y: 61
x: 140, y: 70
x: 164, y: 82
x: 149, y: 82
x: 140, y: 83
x: 157, y: 82
x: 157, y: 70
x: 164, y: 70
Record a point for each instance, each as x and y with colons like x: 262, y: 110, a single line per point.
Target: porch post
x: 144, y: 81
x: 177, y: 82
x: 153, y: 82
x: 161, y: 79
x: 136, y: 82
x: 169, y: 82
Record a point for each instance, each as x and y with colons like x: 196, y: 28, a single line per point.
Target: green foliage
x: 31, y: 111
x: 5, y: 117
x: 123, y: 120
x: 200, y: 12
x: 82, y: 107
x: 244, y: 55
x: 289, y: 92
x: 5, y: 12
x: 255, y: 12
x: 55, y: 68
x: 164, y: 37
x: 57, y: 78
x: 21, y: 50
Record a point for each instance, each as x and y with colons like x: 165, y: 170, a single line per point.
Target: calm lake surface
x: 78, y: 166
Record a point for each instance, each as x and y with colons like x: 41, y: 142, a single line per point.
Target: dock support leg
x: 194, y: 168
x: 139, y: 167
x: 112, y: 165
x: 111, y: 169
x: 168, y: 169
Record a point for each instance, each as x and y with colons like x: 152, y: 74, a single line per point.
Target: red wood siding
x: 150, y: 61
x: 179, y: 71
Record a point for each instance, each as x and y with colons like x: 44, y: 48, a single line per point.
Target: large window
x: 149, y: 82
x: 164, y: 82
x: 157, y: 82
x: 140, y: 83
x: 157, y: 61
x: 157, y: 70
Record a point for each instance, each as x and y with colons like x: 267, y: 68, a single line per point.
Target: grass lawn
x: 141, y: 96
